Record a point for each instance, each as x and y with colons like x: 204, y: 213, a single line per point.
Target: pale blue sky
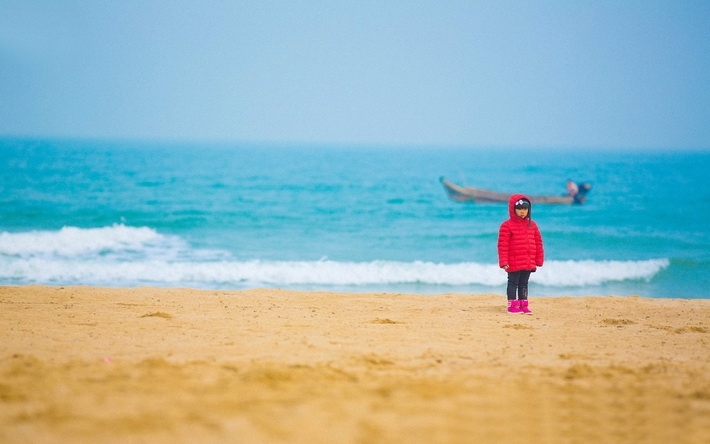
x: 574, y: 74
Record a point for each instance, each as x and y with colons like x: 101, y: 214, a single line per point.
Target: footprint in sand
x: 158, y: 314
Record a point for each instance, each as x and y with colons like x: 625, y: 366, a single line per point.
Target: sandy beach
x: 88, y: 364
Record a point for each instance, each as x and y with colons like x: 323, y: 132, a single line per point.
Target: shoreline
x: 87, y: 364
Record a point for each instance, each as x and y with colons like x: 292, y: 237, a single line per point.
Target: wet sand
x: 89, y: 364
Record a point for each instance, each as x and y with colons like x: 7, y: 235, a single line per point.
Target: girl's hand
x: 505, y: 267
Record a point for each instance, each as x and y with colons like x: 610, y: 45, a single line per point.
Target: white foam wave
x: 117, y: 242
x: 588, y: 273
x: 73, y: 241
x: 127, y: 256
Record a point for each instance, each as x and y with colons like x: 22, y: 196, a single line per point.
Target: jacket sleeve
x: 539, y: 250
x: 503, y: 244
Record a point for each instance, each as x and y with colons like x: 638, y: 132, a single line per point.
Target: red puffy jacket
x: 519, y: 241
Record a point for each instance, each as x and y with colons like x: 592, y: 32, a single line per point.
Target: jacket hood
x: 511, y: 205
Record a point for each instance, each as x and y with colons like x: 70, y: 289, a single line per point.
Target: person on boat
x: 572, y: 188
x: 578, y: 191
x: 520, y: 251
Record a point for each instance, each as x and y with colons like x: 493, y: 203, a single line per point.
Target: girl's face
x: 521, y: 212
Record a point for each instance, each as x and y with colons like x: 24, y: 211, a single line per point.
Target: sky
x: 565, y: 74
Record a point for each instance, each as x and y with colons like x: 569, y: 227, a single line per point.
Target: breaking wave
x: 124, y: 256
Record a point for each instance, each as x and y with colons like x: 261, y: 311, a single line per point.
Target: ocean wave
x: 117, y: 242
x: 128, y: 256
x: 319, y: 273
x: 73, y: 241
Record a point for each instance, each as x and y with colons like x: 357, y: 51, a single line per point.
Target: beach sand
x: 89, y: 364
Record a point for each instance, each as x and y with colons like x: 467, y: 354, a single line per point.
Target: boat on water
x: 458, y: 193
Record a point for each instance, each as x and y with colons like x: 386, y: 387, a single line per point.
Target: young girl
x: 520, y: 251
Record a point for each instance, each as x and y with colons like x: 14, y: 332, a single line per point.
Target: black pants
x: 518, y: 281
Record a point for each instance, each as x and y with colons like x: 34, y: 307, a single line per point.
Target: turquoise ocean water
x: 348, y: 219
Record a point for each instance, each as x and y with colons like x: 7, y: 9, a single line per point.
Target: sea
x: 346, y: 218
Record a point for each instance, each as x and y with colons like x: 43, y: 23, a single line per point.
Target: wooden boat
x: 470, y: 194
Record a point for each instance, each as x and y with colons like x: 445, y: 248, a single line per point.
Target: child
x: 520, y: 251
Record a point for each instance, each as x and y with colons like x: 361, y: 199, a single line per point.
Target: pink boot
x: 514, y: 306
x: 524, y: 307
